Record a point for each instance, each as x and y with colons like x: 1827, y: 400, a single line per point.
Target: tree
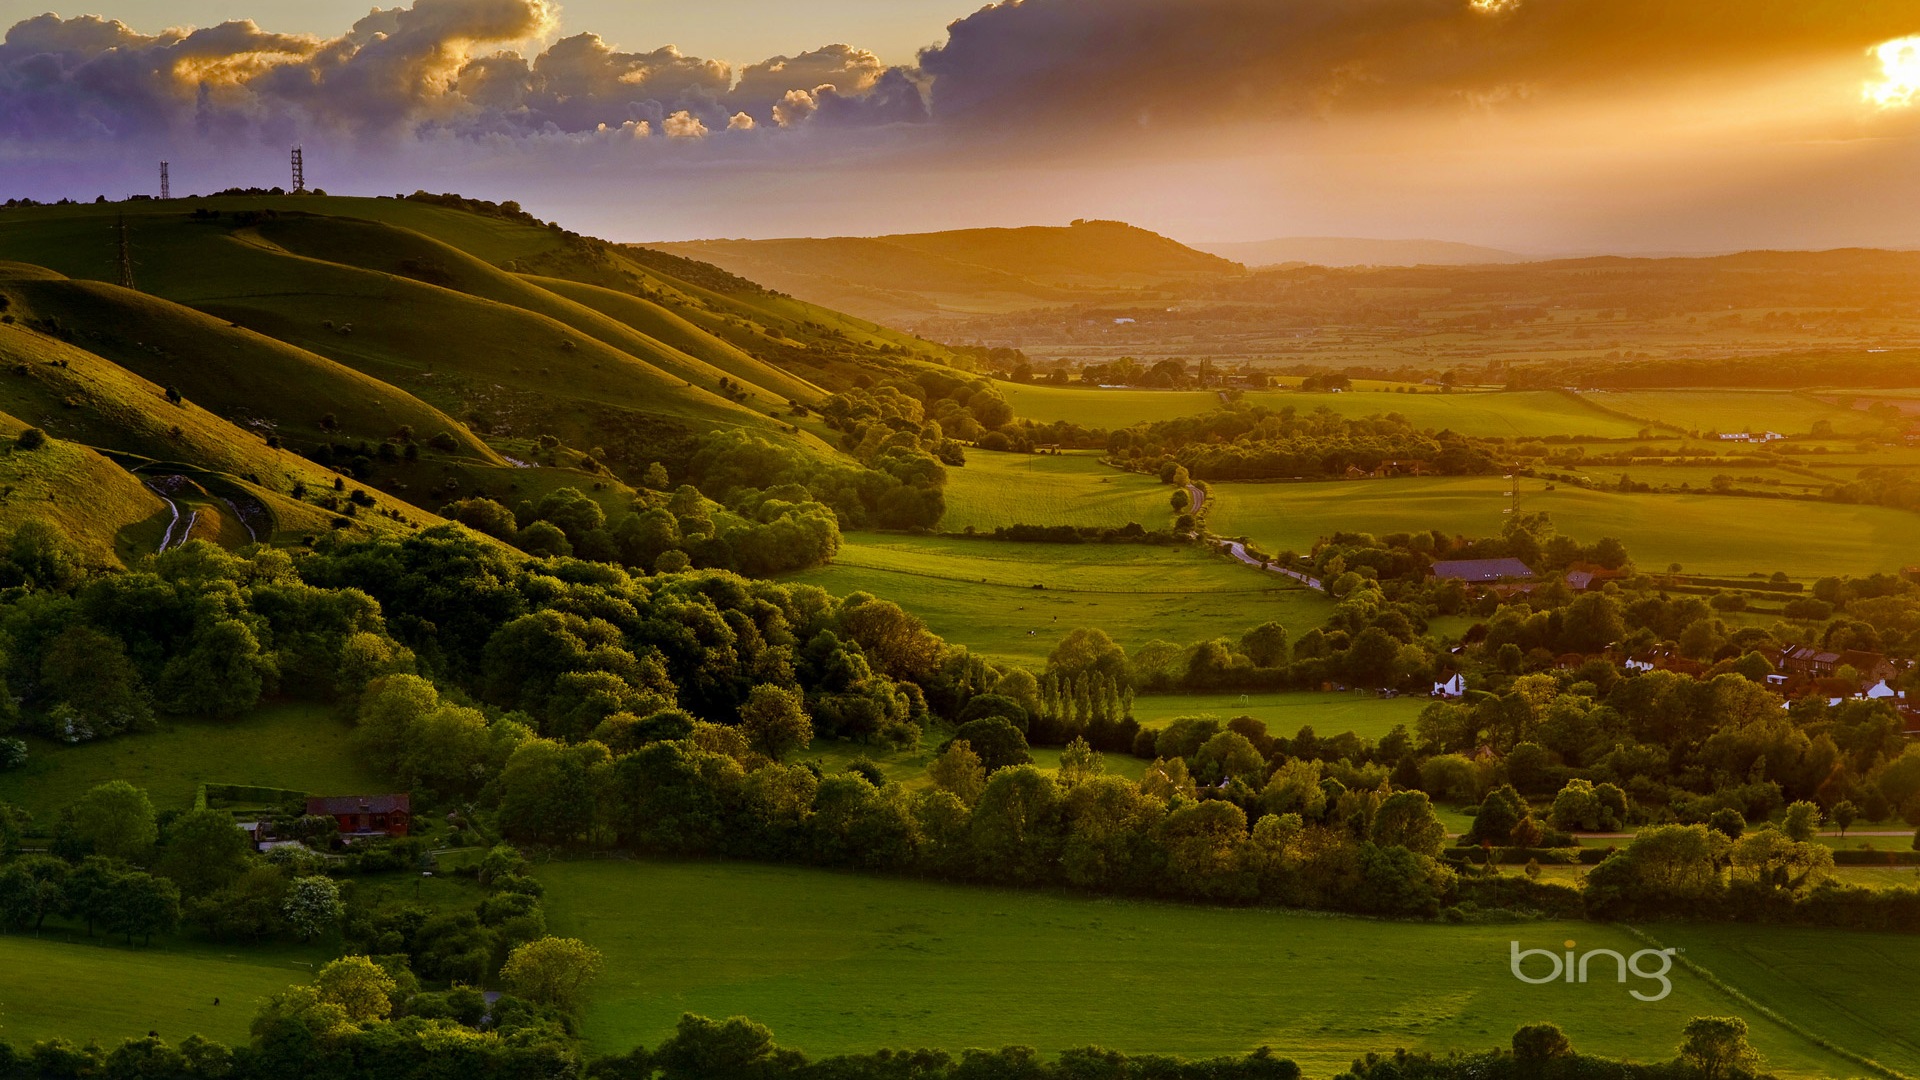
x: 1228, y: 756
x: 998, y: 743
x: 1801, y: 822
x: 958, y: 770
x: 1266, y: 645
x: 1501, y: 813
x: 1728, y: 822
x: 1406, y: 819
x: 655, y: 477
x: 31, y: 439
x: 553, y: 971
x: 1844, y: 815
x: 1079, y: 762
x: 1541, y: 1042
x: 1717, y: 1046
x: 116, y: 820
x: 313, y: 906
x: 775, y: 721
x: 204, y: 851
x: 361, y: 988
x: 142, y: 905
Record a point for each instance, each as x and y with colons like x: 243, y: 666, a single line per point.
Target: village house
x: 1451, y: 688
x: 365, y: 816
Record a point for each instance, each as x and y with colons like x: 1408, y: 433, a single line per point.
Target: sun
x: 1899, y: 82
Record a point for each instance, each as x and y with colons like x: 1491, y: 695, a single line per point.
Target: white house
x: 1454, y: 687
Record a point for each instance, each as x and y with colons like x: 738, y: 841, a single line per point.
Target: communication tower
x: 165, y: 191
x: 299, y: 172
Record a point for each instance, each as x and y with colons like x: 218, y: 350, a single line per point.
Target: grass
x: 1729, y: 411
x: 297, y: 746
x: 1095, y: 408
x: 1704, y: 533
x: 117, y: 519
x: 83, y: 989
x: 1050, y: 489
x: 1014, y: 602
x: 1362, y: 713
x: 840, y: 962
x: 1515, y: 414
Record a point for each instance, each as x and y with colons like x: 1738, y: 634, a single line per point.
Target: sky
x: 1540, y: 126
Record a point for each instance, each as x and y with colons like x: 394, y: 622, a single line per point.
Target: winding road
x: 1239, y: 551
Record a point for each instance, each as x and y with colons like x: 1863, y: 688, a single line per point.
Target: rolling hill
x: 278, y: 354
x: 907, y: 277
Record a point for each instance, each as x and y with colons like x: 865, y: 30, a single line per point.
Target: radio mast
x: 165, y: 191
x: 299, y: 172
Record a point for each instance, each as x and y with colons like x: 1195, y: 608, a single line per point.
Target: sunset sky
x: 1546, y: 126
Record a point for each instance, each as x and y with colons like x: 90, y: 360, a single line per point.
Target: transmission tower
x: 126, y: 252
x: 165, y: 191
x: 299, y: 172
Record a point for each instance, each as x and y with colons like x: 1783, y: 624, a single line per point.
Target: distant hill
x: 912, y: 276
x: 1349, y: 251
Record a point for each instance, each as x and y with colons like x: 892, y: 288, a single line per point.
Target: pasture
x: 1285, y: 713
x: 1092, y: 407
x: 841, y: 962
x: 1014, y: 602
x: 995, y: 489
x: 1730, y: 411
x: 1706, y: 534
x: 298, y: 746
x: 1520, y: 414
x: 82, y: 989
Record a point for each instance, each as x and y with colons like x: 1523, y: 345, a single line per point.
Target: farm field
x: 1050, y: 489
x: 1095, y: 408
x: 1286, y: 713
x: 1729, y: 411
x: 296, y: 745
x: 82, y: 990
x: 1014, y: 602
x: 1515, y: 414
x: 840, y: 962
x: 1704, y: 533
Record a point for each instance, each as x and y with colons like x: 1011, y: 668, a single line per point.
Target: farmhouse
x: 1482, y: 571
x: 1453, y: 687
x: 362, y: 816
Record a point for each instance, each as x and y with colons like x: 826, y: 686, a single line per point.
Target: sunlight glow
x: 1899, y: 81
x: 1493, y: 7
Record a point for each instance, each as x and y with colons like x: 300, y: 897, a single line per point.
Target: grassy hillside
x: 870, y: 962
x: 245, y: 377
x: 104, y: 509
x: 905, y: 277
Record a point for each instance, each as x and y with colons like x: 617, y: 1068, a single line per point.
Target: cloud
x: 740, y: 122
x: 437, y: 68
x: 1111, y: 65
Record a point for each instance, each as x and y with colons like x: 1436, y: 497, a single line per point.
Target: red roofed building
x: 365, y: 815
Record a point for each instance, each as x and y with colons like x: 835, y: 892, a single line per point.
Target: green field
x: 841, y: 962
x: 1516, y: 414
x: 1704, y: 533
x: 298, y: 746
x: 1050, y: 489
x: 1360, y: 712
x: 83, y: 990
x: 1729, y: 411
x: 1096, y: 408
x: 1014, y: 602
